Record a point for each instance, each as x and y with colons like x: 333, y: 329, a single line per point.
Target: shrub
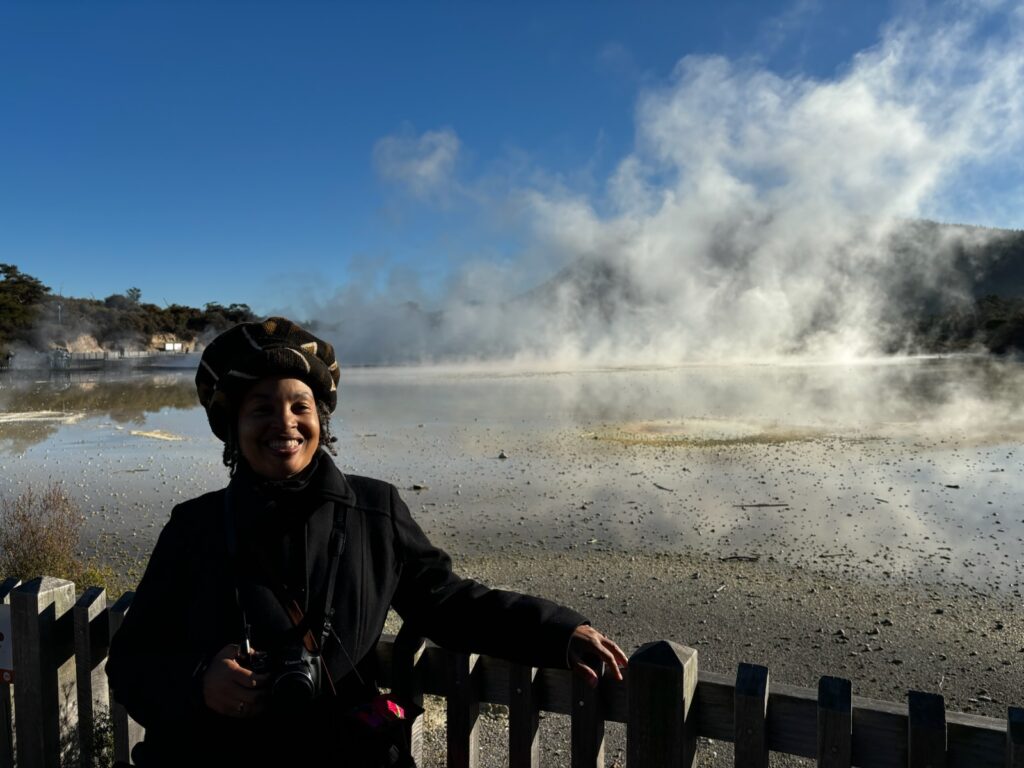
x: 39, y: 536
x: 39, y: 533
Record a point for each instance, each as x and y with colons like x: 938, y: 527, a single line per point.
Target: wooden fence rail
x: 59, y: 689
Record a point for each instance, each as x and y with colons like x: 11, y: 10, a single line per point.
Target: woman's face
x: 278, y: 427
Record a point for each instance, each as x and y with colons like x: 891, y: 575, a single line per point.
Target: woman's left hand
x: 591, y: 654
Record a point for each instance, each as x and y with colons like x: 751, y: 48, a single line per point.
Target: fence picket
x: 586, y: 731
x: 835, y: 721
x: 6, y: 702
x: 44, y: 670
x: 662, y: 681
x: 750, y: 734
x: 523, y: 718
x: 127, y: 733
x: 407, y: 653
x: 463, y: 712
x: 92, y: 639
x: 1015, y: 737
x: 926, y: 730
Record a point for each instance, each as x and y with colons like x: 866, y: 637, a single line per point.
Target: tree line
x: 32, y: 316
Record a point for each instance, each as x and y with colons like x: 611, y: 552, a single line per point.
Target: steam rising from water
x: 757, y: 216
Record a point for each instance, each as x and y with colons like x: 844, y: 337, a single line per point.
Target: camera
x: 295, y: 673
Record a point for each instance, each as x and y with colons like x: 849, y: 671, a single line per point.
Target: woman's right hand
x: 232, y: 690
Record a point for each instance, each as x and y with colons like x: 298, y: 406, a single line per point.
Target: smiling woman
x: 278, y: 427
x: 252, y: 634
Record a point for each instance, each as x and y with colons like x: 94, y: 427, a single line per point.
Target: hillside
x: 32, y: 318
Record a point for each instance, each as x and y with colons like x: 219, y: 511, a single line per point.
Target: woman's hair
x: 233, y: 452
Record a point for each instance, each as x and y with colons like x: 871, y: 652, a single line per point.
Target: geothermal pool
x: 889, y: 469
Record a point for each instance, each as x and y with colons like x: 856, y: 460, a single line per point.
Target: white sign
x: 6, y: 657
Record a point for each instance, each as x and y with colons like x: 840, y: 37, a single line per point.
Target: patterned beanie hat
x: 250, y: 351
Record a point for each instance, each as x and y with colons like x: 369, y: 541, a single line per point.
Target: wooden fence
x: 59, y: 689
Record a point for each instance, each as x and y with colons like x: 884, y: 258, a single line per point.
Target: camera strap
x: 336, y: 548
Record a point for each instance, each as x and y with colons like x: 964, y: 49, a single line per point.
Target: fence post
x: 127, y: 733
x: 1015, y: 737
x: 407, y: 652
x: 92, y: 639
x: 750, y: 708
x: 6, y: 709
x: 523, y: 718
x: 835, y: 722
x: 926, y: 730
x: 44, y: 669
x: 661, y: 681
x: 586, y: 729
x: 463, y: 711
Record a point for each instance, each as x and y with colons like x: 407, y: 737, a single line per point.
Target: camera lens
x: 294, y: 686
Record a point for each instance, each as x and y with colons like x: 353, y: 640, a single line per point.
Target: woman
x: 251, y: 637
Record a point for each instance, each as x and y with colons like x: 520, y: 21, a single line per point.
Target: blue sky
x: 268, y: 152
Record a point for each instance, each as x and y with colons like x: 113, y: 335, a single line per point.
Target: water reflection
x: 33, y: 410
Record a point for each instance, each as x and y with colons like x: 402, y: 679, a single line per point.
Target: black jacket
x: 186, y: 609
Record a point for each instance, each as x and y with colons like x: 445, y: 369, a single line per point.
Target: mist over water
x: 886, y: 469
x: 759, y: 215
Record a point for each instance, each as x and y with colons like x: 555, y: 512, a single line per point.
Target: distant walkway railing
x: 62, y: 360
x: 60, y: 690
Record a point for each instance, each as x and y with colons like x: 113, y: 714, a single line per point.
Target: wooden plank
x: 463, y: 712
x: 714, y: 699
x: 750, y: 734
x: 523, y: 719
x: 407, y: 654
x: 6, y: 700
x: 793, y: 720
x: 44, y: 669
x: 586, y: 732
x: 926, y: 745
x: 879, y: 733
x: 555, y: 694
x: 91, y: 643
x: 835, y: 722
x: 661, y: 729
x: 973, y: 740
x: 1015, y: 737
x: 127, y: 732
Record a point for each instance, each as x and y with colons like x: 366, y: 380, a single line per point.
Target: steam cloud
x: 757, y: 216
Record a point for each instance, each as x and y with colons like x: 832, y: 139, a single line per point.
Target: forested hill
x: 32, y: 317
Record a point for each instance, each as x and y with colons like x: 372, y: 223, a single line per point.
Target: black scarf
x: 271, y: 519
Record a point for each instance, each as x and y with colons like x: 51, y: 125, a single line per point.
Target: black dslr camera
x: 295, y: 673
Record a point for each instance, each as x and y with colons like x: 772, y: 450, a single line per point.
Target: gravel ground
x: 887, y: 638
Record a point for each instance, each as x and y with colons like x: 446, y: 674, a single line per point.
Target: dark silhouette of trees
x: 20, y: 298
x: 30, y: 315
